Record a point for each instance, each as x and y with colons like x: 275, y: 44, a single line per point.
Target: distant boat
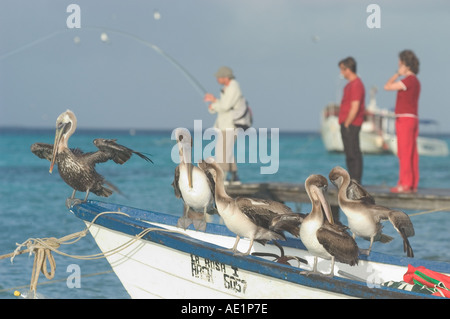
x: 377, y: 134
x: 165, y: 261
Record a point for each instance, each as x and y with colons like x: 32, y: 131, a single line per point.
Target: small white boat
x: 168, y: 262
x: 371, y: 136
x: 377, y: 135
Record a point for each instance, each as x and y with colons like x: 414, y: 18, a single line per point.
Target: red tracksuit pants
x: 407, y: 132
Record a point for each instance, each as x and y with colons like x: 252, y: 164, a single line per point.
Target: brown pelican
x: 324, y: 238
x: 76, y: 168
x: 252, y: 218
x: 364, y: 216
x: 192, y: 184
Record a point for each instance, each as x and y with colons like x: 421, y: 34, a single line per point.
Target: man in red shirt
x: 407, y: 120
x: 351, y: 117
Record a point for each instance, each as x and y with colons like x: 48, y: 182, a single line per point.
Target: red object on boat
x: 436, y: 281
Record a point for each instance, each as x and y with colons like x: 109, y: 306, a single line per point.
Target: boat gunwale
x: 134, y: 223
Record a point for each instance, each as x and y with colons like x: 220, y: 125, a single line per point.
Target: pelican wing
x: 404, y: 227
x: 356, y: 192
x: 175, y: 186
x: 110, y: 150
x: 401, y: 222
x: 338, y: 243
x: 257, y: 210
x: 398, y: 219
x: 211, y: 182
x: 270, y: 214
x: 44, y: 150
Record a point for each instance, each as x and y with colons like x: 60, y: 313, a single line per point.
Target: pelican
x: 324, y: 238
x: 364, y: 216
x: 256, y: 219
x: 192, y: 184
x: 76, y: 168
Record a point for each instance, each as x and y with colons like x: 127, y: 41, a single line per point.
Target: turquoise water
x: 33, y: 201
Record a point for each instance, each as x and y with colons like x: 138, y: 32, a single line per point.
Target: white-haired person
x: 230, y: 100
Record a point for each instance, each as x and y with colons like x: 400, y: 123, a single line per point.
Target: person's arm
x: 228, y: 99
x: 393, y: 85
x: 354, y: 108
x: 210, y: 98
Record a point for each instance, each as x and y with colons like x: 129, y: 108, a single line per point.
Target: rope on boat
x: 56, y: 281
x: 43, y: 248
x: 442, y: 209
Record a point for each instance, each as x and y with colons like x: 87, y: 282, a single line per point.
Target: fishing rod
x: 104, y: 37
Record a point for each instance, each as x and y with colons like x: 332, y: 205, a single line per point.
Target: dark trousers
x: 353, y: 155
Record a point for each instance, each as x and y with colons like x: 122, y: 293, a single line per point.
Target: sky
x: 284, y: 54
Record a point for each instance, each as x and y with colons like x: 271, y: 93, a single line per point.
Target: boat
x: 154, y: 259
x: 377, y: 135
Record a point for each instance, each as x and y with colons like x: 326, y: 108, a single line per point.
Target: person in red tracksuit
x: 407, y: 120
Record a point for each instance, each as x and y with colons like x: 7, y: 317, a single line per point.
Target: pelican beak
x: 325, y: 206
x: 60, y: 129
x: 185, y: 153
x: 190, y: 169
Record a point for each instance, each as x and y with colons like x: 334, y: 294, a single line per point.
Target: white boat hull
x: 370, y: 143
x: 169, y: 262
x: 159, y: 272
x: 425, y: 146
x: 373, y: 142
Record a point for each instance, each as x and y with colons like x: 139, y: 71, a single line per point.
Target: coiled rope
x: 43, y: 248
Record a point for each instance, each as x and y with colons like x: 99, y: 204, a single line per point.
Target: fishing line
x: 192, y: 80
x: 442, y: 209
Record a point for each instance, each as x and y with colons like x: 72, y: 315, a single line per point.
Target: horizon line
x: 27, y: 128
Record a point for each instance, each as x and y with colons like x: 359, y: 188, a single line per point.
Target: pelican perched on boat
x: 193, y: 185
x: 256, y: 219
x: 76, y: 168
x: 365, y: 217
x: 322, y: 237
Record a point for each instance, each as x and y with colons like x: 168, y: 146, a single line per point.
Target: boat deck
x: 424, y: 199
x: 201, y: 266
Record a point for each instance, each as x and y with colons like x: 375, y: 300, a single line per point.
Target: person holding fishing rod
x: 231, y: 100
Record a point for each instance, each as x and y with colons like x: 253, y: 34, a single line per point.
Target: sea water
x: 32, y: 201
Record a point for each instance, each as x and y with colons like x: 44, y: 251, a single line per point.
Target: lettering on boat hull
x: 217, y: 273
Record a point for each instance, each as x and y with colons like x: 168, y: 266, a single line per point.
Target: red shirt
x: 353, y: 91
x: 408, y: 99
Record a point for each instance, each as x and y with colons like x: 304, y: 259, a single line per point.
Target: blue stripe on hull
x: 134, y: 224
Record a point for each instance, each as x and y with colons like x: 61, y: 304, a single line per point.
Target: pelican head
x: 337, y: 176
x: 315, y: 186
x: 66, y: 124
x: 184, y: 141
